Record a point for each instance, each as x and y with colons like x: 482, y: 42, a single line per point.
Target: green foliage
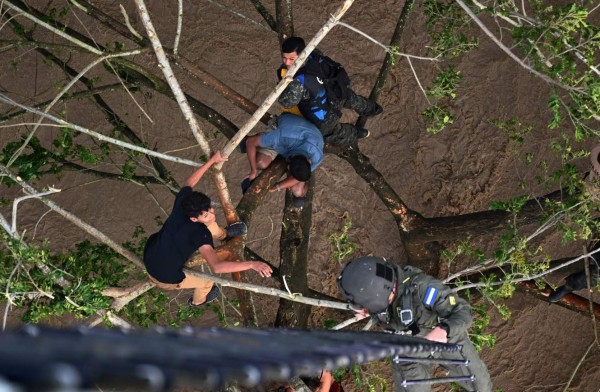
x: 76, y: 279
x: 443, y: 89
x: 444, y: 84
x: 35, y: 160
x: 341, y: 243
x: 89, y: 267
x: 329, y: 323
x: 463, y: 248
x: 448, y: 28
x: 365, y: 377
x: 513, y: 128
x: 339, y: 373
x: 438, y: 117
x: 513, y: 205
x: 481, y: 321
x: 54, y: 13
x: 138, y: 241
x: 563, y: 43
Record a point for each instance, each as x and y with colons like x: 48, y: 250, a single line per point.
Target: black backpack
x: 332, y: 74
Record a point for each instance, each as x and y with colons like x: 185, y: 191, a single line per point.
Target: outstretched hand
x: 217, y: 158
x: 251, y: 176
x: 263, y: 269
x: 437, y: 335
x: 361, y: 314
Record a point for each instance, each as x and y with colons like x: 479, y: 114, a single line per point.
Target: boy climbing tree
x: 186, y: 231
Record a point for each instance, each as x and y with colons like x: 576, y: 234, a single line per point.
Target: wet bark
x: 571, y: 301
x: 479, y: 223
x: 293, y: 252
x: 389, y: 58
x: 265, y: 14
x: 285, y: 20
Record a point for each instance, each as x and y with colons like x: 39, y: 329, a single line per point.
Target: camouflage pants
x: 338, y: 133
x: 418, y: 371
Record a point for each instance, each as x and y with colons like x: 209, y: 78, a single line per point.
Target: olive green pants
x: 418, y: 371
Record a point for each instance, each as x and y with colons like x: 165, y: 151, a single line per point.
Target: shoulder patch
x: 430, y: 296
x: 452, y: 300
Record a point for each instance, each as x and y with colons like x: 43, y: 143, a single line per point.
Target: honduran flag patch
x: 430, y: 296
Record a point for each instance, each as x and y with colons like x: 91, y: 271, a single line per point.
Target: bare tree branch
x: 265, y: 14
x: 99, y: 136
x: 511, y: 54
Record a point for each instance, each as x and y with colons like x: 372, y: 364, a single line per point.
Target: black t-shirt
x: 168, y: 250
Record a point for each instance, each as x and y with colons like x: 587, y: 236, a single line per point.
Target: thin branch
x: 6, y: 226
x: 124, y: 296
x: 185, y: 108
x: 74, y: 219
x: 179, y: 20
x: 511, y: 54
x: 128, y: 23
x: 578, y: 366
x: 76, y: 95
x: 244, y: 17
x: 16, y: 202
x: 590, y: 287
x: 16, y: 44
x: 99, y: 136
x: 489, y: 262
x: 418, y: 81
x: 350, y: 321
x: 265, y: 14
x: 60, y: 94
x: 529, y: 277
x: 295, y: 297
x: 59, y: 32
x: 388, y: 49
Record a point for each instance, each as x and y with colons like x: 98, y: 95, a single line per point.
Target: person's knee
x: 262, y: 161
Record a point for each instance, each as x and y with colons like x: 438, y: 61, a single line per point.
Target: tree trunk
x: 387, y: 63
x: 285, y: 20
x: 295, y: 236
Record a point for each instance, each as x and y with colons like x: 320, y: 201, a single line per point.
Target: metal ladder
x: 38, y: 358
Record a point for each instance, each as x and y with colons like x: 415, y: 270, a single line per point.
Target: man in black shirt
x: 185, y: 232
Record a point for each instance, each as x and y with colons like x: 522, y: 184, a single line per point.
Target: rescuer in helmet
x: 405, y: 300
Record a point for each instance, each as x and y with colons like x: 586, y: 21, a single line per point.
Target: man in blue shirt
x: 299, y: 142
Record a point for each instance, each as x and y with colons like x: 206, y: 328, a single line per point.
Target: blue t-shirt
x: 295, y: 136
x: 167, y: 251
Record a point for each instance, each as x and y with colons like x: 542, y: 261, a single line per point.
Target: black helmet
x: 367, y: 282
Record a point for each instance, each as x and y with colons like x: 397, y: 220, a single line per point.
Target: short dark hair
x: 300, y: 168
x: 195, y: 204
x: 293, y: 44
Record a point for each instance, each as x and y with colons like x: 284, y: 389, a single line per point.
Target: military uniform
x: 422, y: 303
x: 308, y: 93
x: 405, y: 300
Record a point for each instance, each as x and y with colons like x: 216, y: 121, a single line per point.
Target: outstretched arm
x: 326, y: 382
x: 287, y: 183
x: 222, y: 267
x: 193, y: 179
x: 293, y: 94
